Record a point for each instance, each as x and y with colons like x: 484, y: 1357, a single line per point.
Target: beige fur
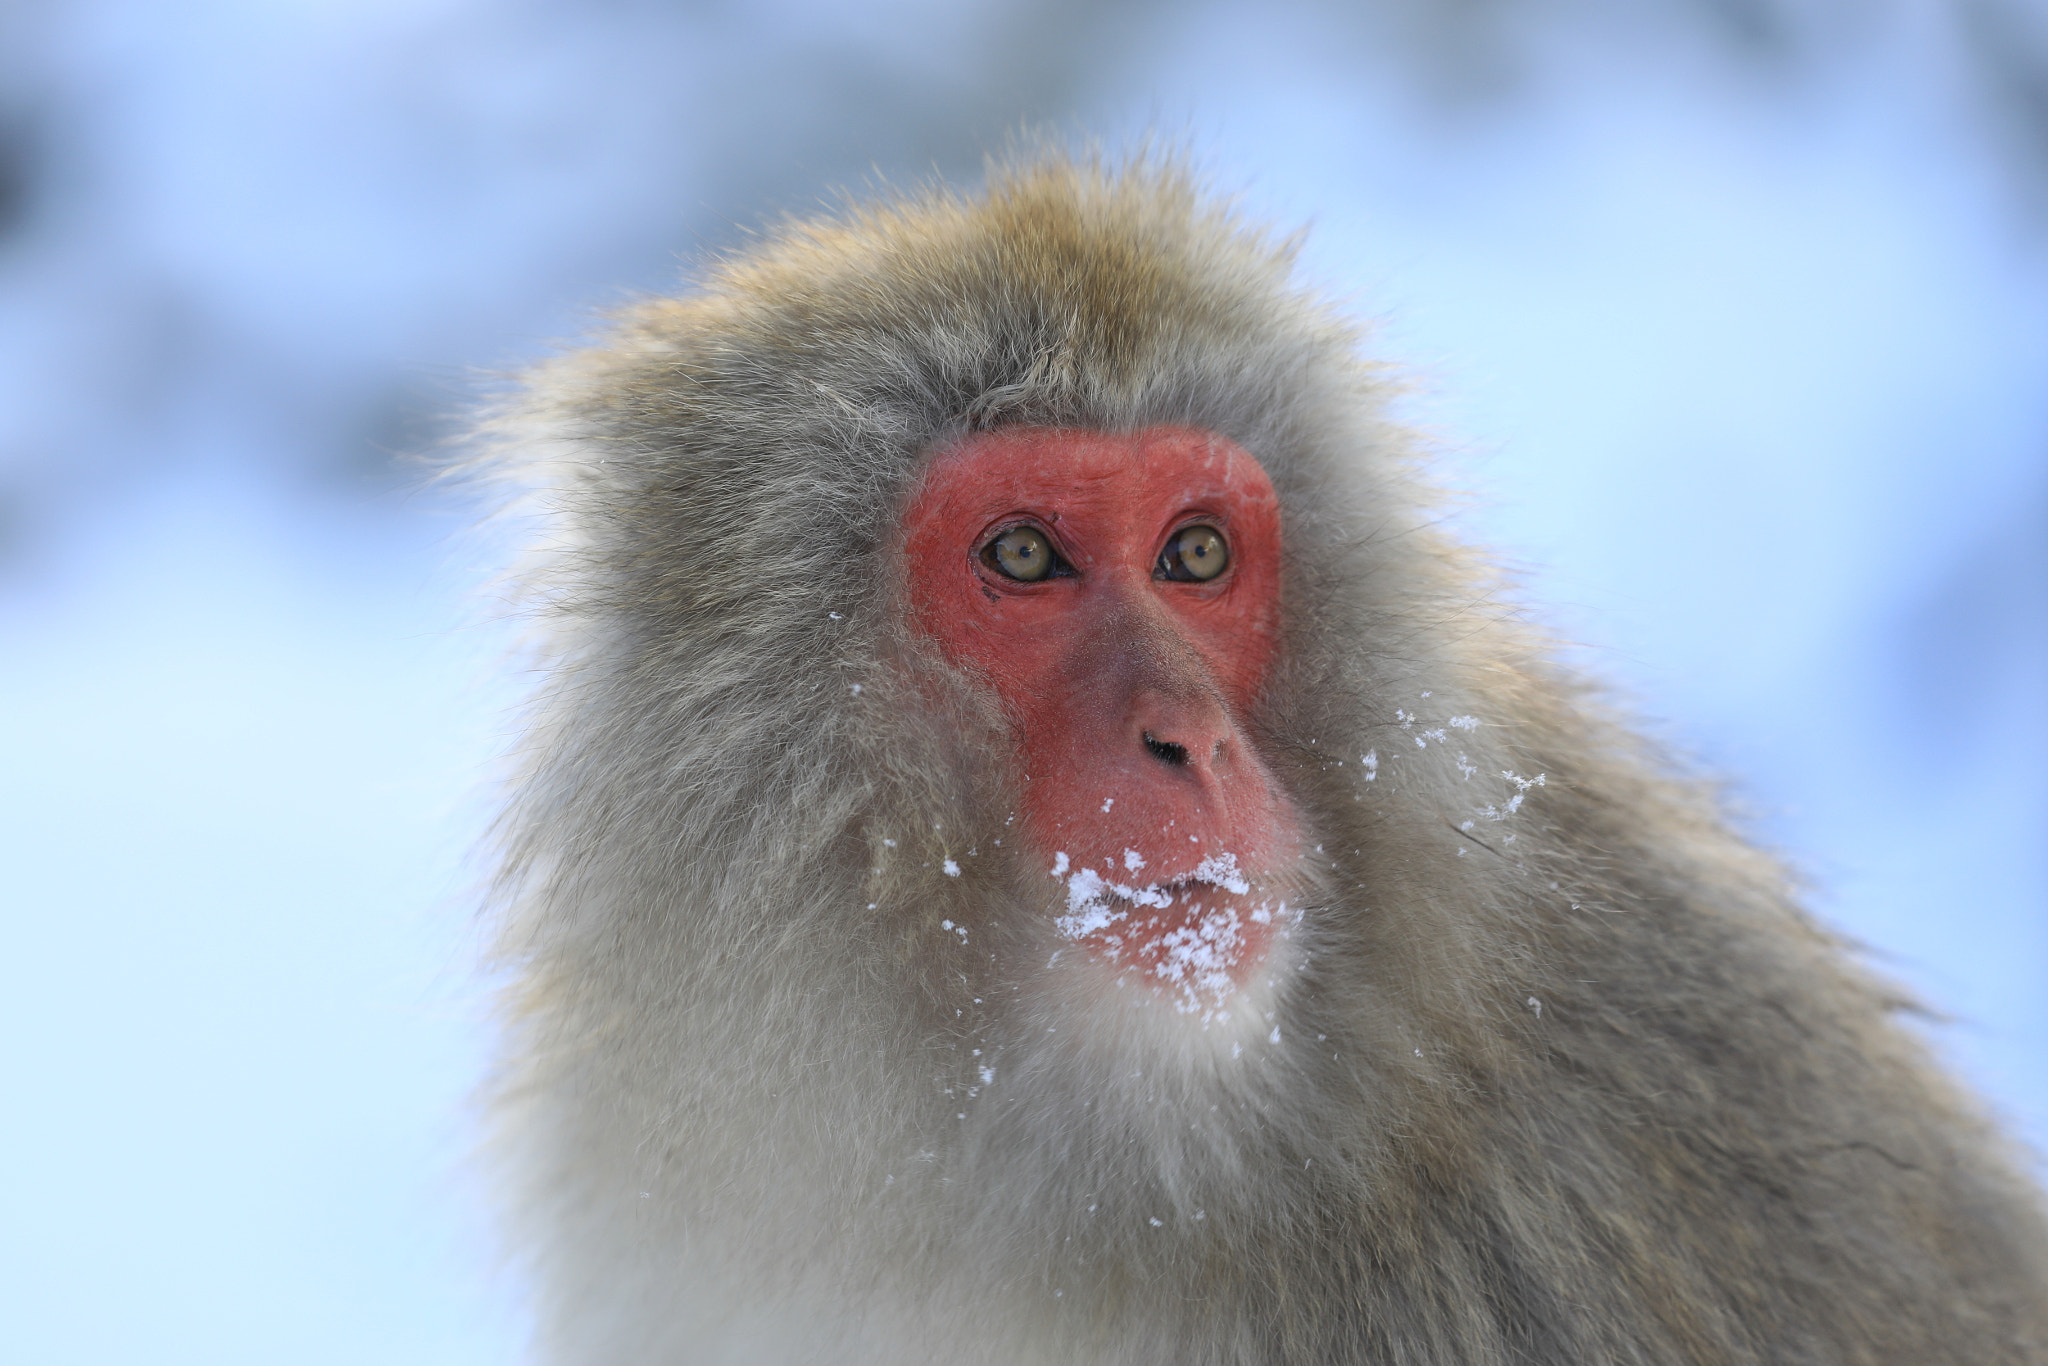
x: 1564, y: 1080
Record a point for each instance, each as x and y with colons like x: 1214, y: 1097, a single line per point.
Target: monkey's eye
x: 1021, y: 553
x: 1196, y: 554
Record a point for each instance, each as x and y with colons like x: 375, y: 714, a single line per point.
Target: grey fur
x: 1569, y: 1079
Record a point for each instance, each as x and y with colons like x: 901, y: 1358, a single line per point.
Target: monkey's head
x: 978, y: 634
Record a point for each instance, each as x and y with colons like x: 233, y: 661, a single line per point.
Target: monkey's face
x: 1120, y: 596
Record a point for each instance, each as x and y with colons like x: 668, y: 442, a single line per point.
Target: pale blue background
x: 1731, y: 311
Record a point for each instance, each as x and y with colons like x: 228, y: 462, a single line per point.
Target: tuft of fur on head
x: 786, y: 1067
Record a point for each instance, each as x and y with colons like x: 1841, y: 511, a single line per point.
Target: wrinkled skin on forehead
x: 1128, y: 689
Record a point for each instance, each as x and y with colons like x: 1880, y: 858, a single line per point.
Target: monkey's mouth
x: 1195, y: 938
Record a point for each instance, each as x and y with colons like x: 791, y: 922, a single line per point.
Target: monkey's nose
x: 1171, y: 709
x: 1166, y: 751
x: 1191, y: 737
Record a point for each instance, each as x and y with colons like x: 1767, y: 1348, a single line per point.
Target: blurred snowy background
x: 1734, y: 310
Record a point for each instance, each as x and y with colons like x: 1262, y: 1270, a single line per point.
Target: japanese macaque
x: 1034, y: 844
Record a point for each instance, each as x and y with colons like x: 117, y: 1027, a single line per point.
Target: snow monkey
x: 1034, y: 844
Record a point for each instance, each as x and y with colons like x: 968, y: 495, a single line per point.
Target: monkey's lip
x: 1195, y: 938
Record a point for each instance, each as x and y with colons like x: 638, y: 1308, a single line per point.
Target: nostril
x: 1166, y: 750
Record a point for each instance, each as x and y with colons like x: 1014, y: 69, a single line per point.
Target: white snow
x: 1191, y: 960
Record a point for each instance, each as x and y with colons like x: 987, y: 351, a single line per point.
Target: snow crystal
x: 1192, y: 959
x: 1274, y: 1037
x: 1221, y: 869
x: 1108, y: 802
x: 950, y: 868
x: 1465, y: 722
x: 988, y: 1074
x: 1059, y: 865
x: 1371, y: 760
x: 1132, y: 860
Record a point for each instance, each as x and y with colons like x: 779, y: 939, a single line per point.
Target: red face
x: 1120, y: 594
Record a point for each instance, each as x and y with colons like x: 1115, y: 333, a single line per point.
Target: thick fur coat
x: 1563, y: 1074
